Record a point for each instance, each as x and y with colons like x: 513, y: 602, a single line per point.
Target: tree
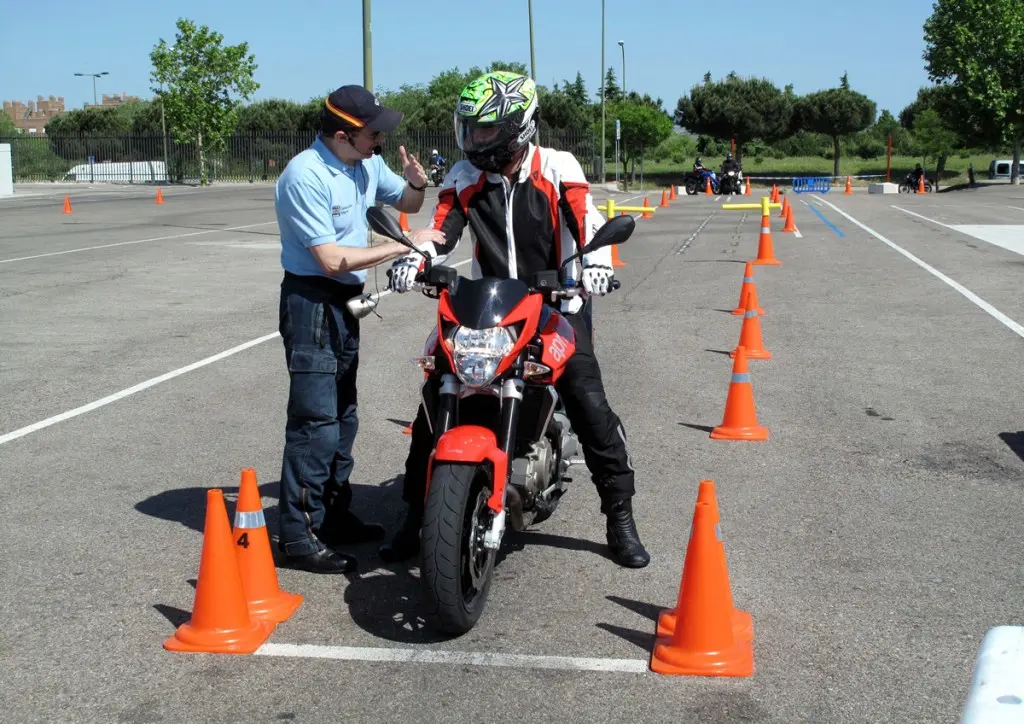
x: 196, y: 78
x: 935, y: 139
x: 835, y: 112
x: 979, y: 47
x: 643, y: 128
x: 740, y: 108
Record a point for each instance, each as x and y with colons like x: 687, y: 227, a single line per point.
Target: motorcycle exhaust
x: 515, y: 507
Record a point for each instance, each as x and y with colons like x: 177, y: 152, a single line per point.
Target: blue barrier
x: 811, y: 184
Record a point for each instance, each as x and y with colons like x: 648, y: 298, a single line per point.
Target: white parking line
x: 1012, y: 325
x: 22, y: 432
x: 137, y: 241
x: 455, y: 658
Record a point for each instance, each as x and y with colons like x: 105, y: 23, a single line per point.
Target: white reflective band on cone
x: 249, y: 520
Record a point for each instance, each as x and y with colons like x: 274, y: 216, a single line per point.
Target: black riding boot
x: 623, y: 540
x: 406, y: 543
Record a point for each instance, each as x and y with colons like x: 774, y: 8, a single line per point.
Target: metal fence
x: 246, y: 157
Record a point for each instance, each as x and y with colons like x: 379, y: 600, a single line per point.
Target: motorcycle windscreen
x: 483, y: 303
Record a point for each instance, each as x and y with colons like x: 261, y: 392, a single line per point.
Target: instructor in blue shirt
x: 321, y: 202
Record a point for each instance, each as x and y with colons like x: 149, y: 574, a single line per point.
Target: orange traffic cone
x: 742, y: 621
x: 672, y: 193
x: 740, y: 419
x: 67, y: 204
x: 664, y: 199
x: 748, y: 287
x: 159, y: 195
x: 750, y: 333
x: 616, y: 261
x: 647, y: 205
x: 849, y: 187
x: 707, y: 187
x: 403, y: 222
x: 255, y: 561
x: 703, y: 642
x: 785, y: 205
x: 765, y: 250
x: 774, y: 196
x: 747, y: 191
x: 920, y: 185
x: 790, y: 226
x: 220, y: 622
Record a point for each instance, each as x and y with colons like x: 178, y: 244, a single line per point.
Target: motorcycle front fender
x: 474, y: 445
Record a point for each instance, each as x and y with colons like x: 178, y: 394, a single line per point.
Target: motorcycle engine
x: 533, y: 472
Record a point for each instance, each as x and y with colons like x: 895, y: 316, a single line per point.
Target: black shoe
x: 406, y: 543
x: 345, y: 528
x: 325, y: 560
x: 623, y: 540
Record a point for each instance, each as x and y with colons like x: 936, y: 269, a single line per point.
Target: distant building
x: 114, y: 100
x: 32, y: 117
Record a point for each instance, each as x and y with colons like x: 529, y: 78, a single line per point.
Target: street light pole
x: 367, y: 48
x: 533, y: 63
x: 603, y: 93
x: 622, y: 44
x: 94, y: 77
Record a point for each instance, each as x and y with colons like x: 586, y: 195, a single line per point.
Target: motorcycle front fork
x: 511, y: 404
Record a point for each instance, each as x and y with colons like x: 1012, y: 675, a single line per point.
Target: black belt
x: 336, y: 292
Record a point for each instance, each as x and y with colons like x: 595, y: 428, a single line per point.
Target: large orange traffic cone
x: 750, y: 333
x: 765, y: 250
x: 703, y: 642
x: 159, y: 195
x: 707, y: 187
x: 849, y: 187
x: 747, y: 191
x: 672, y: 193
x: 255, y: 561
x: 774, y: 196
x: 403, y: 222
x: 790, y: 227
x: 785, y: 205
x: 740, y: 419
x: 647, y: 214
x: 220, y: 622
x: 664, y: 199
x: 742, y: 621
x: 920, y: 185
x: 67, y: 204
x: 748, y: 287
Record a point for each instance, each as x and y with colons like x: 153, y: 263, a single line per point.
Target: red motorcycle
x: 502, y: 441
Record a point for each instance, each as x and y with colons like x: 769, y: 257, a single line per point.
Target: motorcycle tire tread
x: 450, y: 490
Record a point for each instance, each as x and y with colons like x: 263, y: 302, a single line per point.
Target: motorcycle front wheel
x: 456, y: 568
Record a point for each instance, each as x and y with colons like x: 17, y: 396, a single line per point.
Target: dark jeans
x: 321, y: 344
x: 599, y: 429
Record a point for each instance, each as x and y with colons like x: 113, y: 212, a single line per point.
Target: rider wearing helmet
x: 729, y: 164
x: 698, y: 165
x: 542, y: 196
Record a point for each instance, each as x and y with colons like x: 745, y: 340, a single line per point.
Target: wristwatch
x: 415, y: 187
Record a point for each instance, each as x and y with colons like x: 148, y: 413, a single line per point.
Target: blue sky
x: 306, y: 48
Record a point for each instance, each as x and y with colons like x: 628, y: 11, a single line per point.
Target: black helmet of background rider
x: 496, y: 117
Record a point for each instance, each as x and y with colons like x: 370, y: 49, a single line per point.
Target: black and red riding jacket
x: 519, y: 228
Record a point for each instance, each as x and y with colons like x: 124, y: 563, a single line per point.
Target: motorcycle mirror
x: 386, y: 225
x: 615, y: 231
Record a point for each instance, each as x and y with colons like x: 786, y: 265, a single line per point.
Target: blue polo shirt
x: 321, y: 200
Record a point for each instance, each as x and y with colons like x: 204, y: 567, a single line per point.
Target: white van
x: 1000, y: 168
x: 118, y: 172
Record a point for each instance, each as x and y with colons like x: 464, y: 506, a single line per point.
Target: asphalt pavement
x: 875, y: 537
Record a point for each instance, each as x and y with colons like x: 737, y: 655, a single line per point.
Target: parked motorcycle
x: 696, y: 182
x: 909, y: 186
x: 502, y: 442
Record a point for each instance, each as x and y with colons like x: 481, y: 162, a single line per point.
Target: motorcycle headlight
x: 478, y: 352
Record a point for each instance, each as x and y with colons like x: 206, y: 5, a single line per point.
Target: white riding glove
x: 597, y: 279
x: 402, y: 274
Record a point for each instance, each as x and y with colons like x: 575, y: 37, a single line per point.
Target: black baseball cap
x: 353, y: 105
